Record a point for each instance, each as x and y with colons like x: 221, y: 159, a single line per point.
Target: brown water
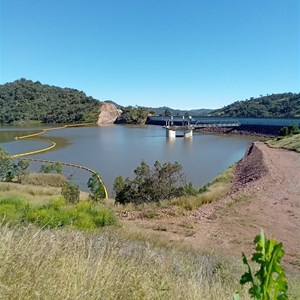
x: 117, y: 150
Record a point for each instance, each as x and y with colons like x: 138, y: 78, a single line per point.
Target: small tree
x: 118, y: 184
x: 294, y: 129
x: 71, y: 192
x: 284, y: 131
x: 52, y: 168
x: 6, y: 165
x: 167, y: 112
x: 96, y: 188
x: 163, y: 181
x: 22, y: 166
x: 9, y: 170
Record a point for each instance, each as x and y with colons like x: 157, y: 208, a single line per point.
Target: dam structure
x: 185, y: 127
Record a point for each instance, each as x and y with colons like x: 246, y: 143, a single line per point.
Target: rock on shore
x: 108, y: 113
x: 251, y: 168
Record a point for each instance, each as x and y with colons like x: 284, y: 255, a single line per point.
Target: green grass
x: 83, y: 215
x: 34, y: 194
x: 290, y: 142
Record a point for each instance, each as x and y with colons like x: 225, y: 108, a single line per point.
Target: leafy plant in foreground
x: 269, y: 282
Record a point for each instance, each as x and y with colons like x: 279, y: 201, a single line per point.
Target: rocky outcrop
x: 108, y: 113
x: 251, y: 168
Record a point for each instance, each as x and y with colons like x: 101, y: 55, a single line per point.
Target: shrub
x: 71, y: 192
x: 284, y: 131
x: 96, y: 188
x: 152, y: 185
x: 52, y: 168
x: 12, y: 210
x: 294, y: 129
x: 9, y: 169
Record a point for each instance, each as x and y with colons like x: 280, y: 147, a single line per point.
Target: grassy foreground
x: 104, y: 264
x: 68, y: 264
x: 65, y: 263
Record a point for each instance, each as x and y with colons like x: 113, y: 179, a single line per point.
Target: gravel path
x: 265, y: 194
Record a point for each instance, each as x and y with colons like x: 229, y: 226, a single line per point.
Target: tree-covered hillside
x: 24, y: 100
x: 275, y: 105
x: 179, y: 112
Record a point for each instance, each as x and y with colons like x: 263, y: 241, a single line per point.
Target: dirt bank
x: 248, y: 130
x: 265, y: 194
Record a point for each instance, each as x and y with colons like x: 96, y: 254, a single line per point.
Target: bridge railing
x: 206, y: 124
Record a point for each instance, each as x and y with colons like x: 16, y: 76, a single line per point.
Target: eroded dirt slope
x: 266, y: 194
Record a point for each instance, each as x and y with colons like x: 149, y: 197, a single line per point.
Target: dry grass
x: 115, y: 263
x: 214, y: 192
x: 65, y: 264
x: 33, y: 194
x: 41, y: 179
x: 288, y: 142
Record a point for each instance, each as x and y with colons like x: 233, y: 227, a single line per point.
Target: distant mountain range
x: 174, y: 112
x: 24, y: 100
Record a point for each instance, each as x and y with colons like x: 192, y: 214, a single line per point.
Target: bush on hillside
x: 152, y: 185
x: 96, y: 188
x: 52, y: 168
x: 71, y: 192
x: 10, y: 170
x: 294, y: 129
x: 284, y: 131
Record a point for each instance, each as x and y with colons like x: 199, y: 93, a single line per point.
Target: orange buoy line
x: 53, y: 144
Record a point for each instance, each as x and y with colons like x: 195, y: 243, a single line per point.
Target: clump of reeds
x: 41, y: 179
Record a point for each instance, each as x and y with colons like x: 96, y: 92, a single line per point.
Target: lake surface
x: 117, y: 150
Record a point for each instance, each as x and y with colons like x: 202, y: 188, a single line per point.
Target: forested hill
x: 275, y: 105
x: 24, y: 100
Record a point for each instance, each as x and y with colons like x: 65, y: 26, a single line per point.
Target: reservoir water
x: 117, y: 150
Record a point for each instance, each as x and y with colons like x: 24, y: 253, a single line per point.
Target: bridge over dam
x: 187, y: 126
x: 264, y: 126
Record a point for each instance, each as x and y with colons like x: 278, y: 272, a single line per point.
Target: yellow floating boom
x: 53, y: 144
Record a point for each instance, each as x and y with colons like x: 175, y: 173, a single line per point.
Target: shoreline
x: 264, y: 194
x: 244, y: 130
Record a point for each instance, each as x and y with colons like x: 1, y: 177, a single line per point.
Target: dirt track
x: 266, y: 194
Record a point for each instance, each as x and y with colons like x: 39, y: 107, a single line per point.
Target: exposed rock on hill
x: 108, y: 113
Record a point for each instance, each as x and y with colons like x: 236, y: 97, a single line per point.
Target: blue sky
x: 183, y: 54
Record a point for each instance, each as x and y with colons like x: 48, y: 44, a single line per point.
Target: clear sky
x: 179, y: 53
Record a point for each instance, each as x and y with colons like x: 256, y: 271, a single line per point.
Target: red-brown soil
x: 265, y: 195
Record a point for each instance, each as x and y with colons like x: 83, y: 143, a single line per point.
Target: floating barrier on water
x: 53, y: 144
